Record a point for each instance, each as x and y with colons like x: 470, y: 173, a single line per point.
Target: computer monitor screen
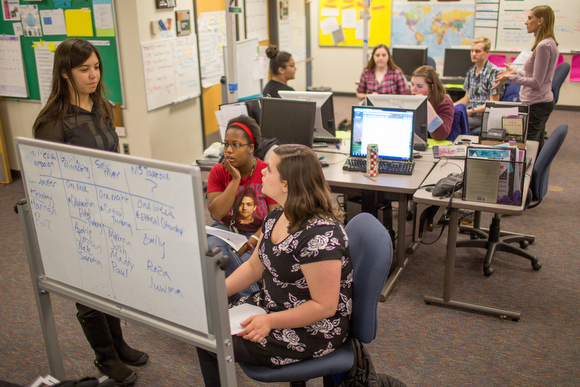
x: 409, y: 58
x: 411, y: 102
x: 324, y: 121
x: 290, y: 121
x: 456, y: 62
x: 391, y: 129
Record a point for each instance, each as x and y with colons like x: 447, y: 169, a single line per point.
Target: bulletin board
x: 44, y: 24
x: 339, y: 21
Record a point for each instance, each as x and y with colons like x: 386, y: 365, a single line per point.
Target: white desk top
x: 447, y: 166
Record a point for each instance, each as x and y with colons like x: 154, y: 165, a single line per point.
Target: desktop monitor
x: 253, y: 106
x: 390, y: 128
x: 408, y: 58
x: 456, y: 62
x: 324, y: 121
x: 290, y: 121
x: 418, y: 103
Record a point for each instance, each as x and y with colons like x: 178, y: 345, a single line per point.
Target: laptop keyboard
x: 392, y: 167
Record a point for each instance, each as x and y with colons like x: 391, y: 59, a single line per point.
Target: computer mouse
x: 323, y: 163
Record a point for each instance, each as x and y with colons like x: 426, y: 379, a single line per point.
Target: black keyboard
x: 327, y: 139
x: 421, y: 146
x: 393, y: 167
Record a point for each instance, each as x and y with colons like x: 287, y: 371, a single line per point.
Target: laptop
x: 391, y: 129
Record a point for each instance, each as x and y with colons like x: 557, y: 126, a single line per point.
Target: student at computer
x: 382, y: 75
x: 440, y: 108
x: 479, y: 82
x: 538, y: 73
x: 305, y: 268
x: 227, y: 187
x: 282, y: 69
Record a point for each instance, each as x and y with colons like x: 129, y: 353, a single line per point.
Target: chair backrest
x: 460, y: 123
x: 511, y: 93
x: 541, y: 172
x: 560, y: 75
x: 431, y: 62
x: 371, y: 252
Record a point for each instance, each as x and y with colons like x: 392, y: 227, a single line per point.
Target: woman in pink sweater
x: 538, y: 73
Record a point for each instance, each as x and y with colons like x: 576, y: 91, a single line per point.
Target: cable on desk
x: 447, y: 162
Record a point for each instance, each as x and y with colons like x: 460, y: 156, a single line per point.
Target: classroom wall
x: 341, y: 67
x: 170, y: 133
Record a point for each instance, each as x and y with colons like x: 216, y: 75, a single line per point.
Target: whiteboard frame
x: 218, y: 340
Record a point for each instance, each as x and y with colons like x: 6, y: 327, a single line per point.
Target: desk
x: 442, y: 169
x: 403, y: 187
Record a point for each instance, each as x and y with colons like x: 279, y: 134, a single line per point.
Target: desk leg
x: 448, y: 281
x: 401, y: 259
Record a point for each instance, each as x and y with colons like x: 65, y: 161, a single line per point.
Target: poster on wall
x: 341, y: 23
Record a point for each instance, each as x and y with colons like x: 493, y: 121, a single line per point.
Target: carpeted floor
x: 421, y: 345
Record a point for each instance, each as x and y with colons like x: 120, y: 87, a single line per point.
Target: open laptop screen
x: 391, y: 129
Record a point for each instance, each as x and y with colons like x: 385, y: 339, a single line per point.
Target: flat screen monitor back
x: 324, y: 109
x: 290, y: 121
x: 408, y: 59
x: 254, y: 107
x: 457, y: 61
x: 411, y: 102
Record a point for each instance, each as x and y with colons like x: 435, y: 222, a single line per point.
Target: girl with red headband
x: 239, y: 172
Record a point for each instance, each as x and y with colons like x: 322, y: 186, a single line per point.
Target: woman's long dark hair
x: 308, y: 192
x: 70, y: 54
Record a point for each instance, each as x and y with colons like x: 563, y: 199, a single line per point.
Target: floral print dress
x: 284, y: 287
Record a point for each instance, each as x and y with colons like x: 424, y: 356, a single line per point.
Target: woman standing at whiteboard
x: 538, y: 73
x: 77, y: 113
x: 304, y: 264
x: 282, y: 69
x: 382, y: 75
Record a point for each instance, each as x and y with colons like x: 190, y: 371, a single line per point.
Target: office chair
x: 560, y: 75
x: 511, y: 93
x: 431, y: 62
x: 493, y: 239
x: 371, y: 252
x: 460, y: 123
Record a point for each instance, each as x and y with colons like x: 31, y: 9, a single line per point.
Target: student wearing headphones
x: 382, y: 75
x: 538, y: 73
x: 282, y: 69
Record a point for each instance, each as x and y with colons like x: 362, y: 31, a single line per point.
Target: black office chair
x: 431, y: 62
x: 493, y: 239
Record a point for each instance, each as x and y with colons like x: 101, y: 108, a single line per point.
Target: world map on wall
x: 435, y: 26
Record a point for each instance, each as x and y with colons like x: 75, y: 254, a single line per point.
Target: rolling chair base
x: 495, y: 240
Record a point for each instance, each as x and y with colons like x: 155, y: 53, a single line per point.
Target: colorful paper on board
x: 575, y: 69
x: 79, y: 22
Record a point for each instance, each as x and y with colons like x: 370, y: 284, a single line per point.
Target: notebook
x: 390, y: 128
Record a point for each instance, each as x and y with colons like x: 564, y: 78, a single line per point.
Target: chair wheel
x: 536, y: 266
x: 487, y: 271
x: 524, y: 244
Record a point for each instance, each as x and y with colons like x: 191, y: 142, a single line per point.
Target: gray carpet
x: 421, y: 345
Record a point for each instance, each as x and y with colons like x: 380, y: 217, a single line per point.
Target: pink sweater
x: 536, y: 78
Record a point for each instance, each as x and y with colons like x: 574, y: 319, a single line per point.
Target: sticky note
x: 79, y: 22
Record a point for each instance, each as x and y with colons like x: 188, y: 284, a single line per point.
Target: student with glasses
x: 228, y: 183
x: 282, y: 69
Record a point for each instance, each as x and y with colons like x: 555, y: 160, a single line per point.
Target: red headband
x: 246, y: 129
